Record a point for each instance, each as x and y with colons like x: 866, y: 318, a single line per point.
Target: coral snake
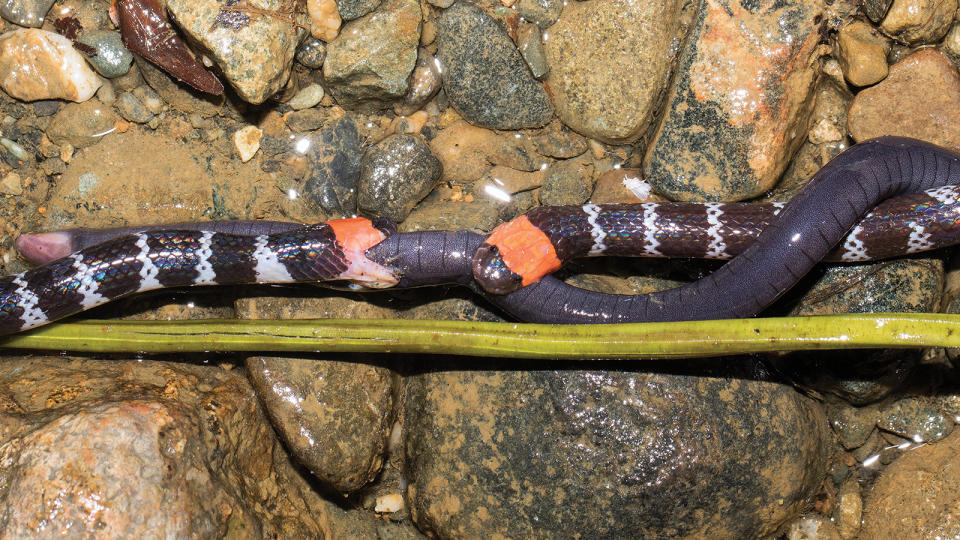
x: 879, y: 198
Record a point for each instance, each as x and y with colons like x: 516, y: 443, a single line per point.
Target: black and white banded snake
x: 923, y: 216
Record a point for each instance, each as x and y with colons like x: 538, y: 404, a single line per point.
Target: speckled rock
x: 311, y: 53
x: 543, y: 13
x: 29, y: 13
x: 334, y: 153
x: 82, y: 124
x: 111, y: 59
x: 919, y: 21
x: 860, y: 377
x: 424, y: 84
x: 567, y: 182
x: 131, y: 109
x: 862, y: 53
x: 309, y: 399
x: 607, y: 454
x: 371, y: 60
x: 853, y: 425
x: 557, y: 141
x: 875, y: 10
x: 920, y: 98
x: 916, y: 496
x: 354, y: 9
x: 915, y: 419
x: 254, y: 51
x: 395, y: 175
x: 589, y: 87
x: 36, y: 64
x: 133, y: 448
x: 735, y: 111
x: 484, y: 76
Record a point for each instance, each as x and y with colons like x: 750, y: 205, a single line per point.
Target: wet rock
x: 81, y: 124
x: 875, y: 10
x: 36, y: 64
x: 589, y: 88
x: 508, y: 181
x: 559, y: 142
x: 812, y: 527
x: 148, y: 448
x: 567, y: 182
x: 543, y: 13
x: 334, y: 154
x: 530, y: 43
x: 311, y: 53
x: 306, y: 97
x: 862, y: 377
x: 111, y: 58
x: 862, y: 53
x: 131, y: 109
x: 919, y: 98
x: 853, y: 425
x: 395, y: 175
x: 735, y: 110
x: 607, y: 454
x: 916, y: 496
x: 919, y: 21
x: 247, y: 141
x: 371, y: 60
x: 306, y: 120
x: 431, y: 215
x: 424, y: 84
x: 354, y: 9
x: 46, y: 107
x: 484, y: 75
x: 253, y: 50
x: 325, y: 19
x: 848, y: 514
x: 310, y: 399
x: 915, y: 419
x: 29, y: 13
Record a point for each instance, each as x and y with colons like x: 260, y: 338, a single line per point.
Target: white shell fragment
x: 36, y: 64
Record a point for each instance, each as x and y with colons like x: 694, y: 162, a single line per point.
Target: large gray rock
x: 484, y: 74
x: 608, y: 454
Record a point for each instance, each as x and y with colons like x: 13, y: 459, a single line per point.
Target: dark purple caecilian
x: 172, y: 258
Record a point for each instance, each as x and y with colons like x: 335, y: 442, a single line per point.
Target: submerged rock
x: 36, y: 64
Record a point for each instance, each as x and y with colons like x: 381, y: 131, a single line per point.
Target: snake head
x: 492, y: 273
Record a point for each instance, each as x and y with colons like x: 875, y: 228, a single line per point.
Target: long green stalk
x: 644, y: 340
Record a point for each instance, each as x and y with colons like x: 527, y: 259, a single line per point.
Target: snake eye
x: 492, y: 273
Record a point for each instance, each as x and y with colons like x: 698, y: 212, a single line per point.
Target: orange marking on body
x: 356, y: 233
x: 525, y: 249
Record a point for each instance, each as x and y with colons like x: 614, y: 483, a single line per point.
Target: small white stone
x: 247, y: 142
x: 389, y: 503
x: 306, y: 97
x: 36, y: 64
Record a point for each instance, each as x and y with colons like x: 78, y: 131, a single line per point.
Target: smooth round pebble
x: 112, y: 59
x: 395, y: 175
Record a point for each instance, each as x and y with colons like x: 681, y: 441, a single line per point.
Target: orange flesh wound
x: 356, y: 233
x: 525, y: 250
